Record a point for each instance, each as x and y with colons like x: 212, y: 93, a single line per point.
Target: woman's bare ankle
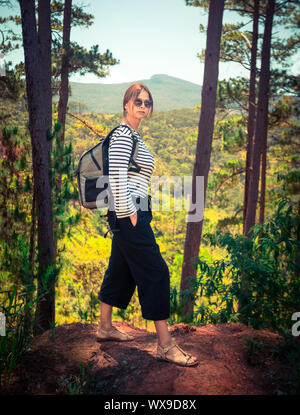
x: 105, y: 326
x: 165, y: 343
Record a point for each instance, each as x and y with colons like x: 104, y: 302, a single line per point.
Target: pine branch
x: 228, y: 178
x: 247, y: 40
x: 86, y: 124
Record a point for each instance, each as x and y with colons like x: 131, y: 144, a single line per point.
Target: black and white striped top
x: 125, y: 183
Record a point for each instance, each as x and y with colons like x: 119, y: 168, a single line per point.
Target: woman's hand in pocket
x: 133, y: 219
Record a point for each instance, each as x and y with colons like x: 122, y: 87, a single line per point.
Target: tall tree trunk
x: 32, y: 231
x: 28, y: 318
x: 64, y: 82
x: 259, y: 139
x: 262, y: 199
x: 44, y: 40
x: 37, y: 128
x: 251, y: 105
x: 250, y: 136
x: 204, y: 145
x: 64, y: 87
x: 261, y: 119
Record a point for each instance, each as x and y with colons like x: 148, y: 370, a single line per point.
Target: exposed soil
x: 226, y: 365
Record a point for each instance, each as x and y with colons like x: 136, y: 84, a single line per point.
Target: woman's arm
x: 119, y: 155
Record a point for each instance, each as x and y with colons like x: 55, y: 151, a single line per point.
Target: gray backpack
x: 92, y: 172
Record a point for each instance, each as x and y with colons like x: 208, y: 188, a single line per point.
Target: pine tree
x: 203, y: 152
x: 40, y: 159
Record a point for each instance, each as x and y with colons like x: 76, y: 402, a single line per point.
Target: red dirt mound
x: 229, y: 364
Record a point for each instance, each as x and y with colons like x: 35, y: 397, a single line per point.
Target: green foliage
x: 269, y: 264
x: 284, y: 82
x: 16, y: 305
x: 232, y: 93
x: 236, y: 40
x: 14, y: 198
x: 81, y: 384
x: 8, y: 36
x: 81, y: 60
x: 52, y: 330
x: 131, y: 311
x: 290, y: 182
x: 254, y: 350
x: 77, y: 293
x: 222, y: 181
x: 11, y: 85
x: 289, y: 350
x: 92, y: 310
x: 64, y: 190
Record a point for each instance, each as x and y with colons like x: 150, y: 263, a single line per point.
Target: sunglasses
x: 138, y: 103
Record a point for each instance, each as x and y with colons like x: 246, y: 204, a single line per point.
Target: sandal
x: 113, y: 334
x: 185, y: 360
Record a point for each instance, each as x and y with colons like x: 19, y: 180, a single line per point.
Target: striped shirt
x: 126, y: 183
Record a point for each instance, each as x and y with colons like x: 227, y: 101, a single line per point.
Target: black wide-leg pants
x: 136, y: 260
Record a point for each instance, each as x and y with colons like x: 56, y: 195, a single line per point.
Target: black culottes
x: 136, y: 260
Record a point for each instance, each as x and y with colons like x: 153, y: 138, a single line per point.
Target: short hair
x: 133, y: 92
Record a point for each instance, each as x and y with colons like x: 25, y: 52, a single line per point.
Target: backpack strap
x: 136, y: 167
x: 105, y: 147
x: 133, y: 166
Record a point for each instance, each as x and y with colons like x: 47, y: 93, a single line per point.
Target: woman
x: 135, y: 256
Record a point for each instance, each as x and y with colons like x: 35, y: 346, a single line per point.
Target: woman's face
x: 133, y: 111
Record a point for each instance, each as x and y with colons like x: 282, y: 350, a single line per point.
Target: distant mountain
x: 168, y: 93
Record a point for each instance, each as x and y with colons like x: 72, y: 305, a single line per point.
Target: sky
x: 148, y: 37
